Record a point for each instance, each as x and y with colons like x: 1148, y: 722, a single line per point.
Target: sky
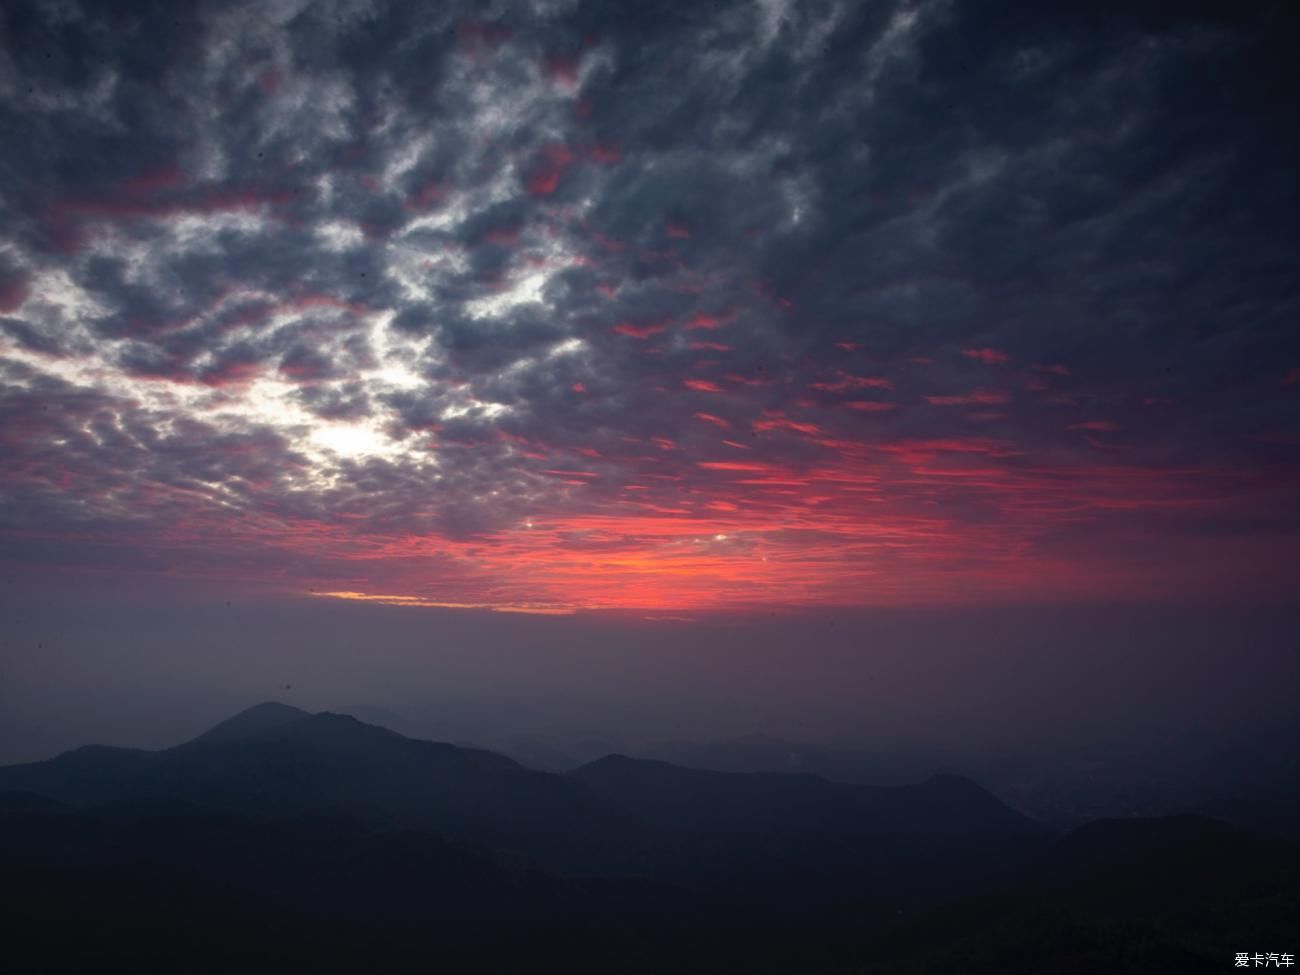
x: 931, y: 688
x: 667, y: 310
x: 556, y: 306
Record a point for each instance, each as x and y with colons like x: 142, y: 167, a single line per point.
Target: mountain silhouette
x: 616, y: 814
x: 275, y: 761
x: 1169, y: 895
x: 1275, y: 809
x: 254, y: 721
x: 137, y: 889
x: 883, y: 844
x: 87, y: 776
x: 765, y: 753
x: 667, y: 794
x: 281, y: 840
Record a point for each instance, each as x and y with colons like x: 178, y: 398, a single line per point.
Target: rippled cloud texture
x: 679, y: 306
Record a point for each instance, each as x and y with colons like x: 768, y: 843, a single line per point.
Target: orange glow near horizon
x: 415, y: 601
x: 872, y: 528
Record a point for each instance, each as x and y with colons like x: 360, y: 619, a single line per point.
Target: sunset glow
x: 501, y: 340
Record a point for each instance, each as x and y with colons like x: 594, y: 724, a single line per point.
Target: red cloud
x: 715, y: 420
x: 609, y: 243
x: 979, y: 397
x: 705, y: 321
x: 428, y: 194
x: 921, y: 449
x: 548, y: 169
x: 152, y: 196
x: 990, y: 357
x: 869, y: 406
x: 728, y: 465
x: 156, y: 179
x: 478, y: 36
x: 775, y: 420
x: 641, y: 332
x: 503, y: 235
x: 232, y: 374
x: 304, y: 302
x: 702, y: 385
x: 749, y: 380
x: 303, y: 371
x: 13, y: 292
x: 847, y: 382
x: 562, y: 69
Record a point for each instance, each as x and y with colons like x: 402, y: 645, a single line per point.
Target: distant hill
x: 1273, y: 810
x: 281, y: 840
x: 764, y: 753
x: 275, y: 761
x: 669, y: 796
x: 207, y: 893
x: 255, y: 721
x: 1169, y: 895
x: 137, y: 890
x: 29, y: 802
x: 885, y: 844
x: 614, y: 815
x: 86, y: 776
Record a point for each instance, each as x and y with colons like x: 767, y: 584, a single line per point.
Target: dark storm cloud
x: 441, y: 269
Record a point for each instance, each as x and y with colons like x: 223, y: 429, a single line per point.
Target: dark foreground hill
x: 1275, y: 809
x: 149, y: 890
x: 273, y: 761
x: 285, y: 841
x: 889, y: 846
x: 616, y: 815
x: 764, y: 753
x: 1181, y: 894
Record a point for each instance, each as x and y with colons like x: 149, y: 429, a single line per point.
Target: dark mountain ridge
x: 905, y: 842
x: 613, y: 815
x: 280, y: 839
x: 765, y: 753
x: 253, y: 721
x: 274, y: 761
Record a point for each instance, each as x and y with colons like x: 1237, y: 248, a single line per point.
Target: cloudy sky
x: 665, y: 307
